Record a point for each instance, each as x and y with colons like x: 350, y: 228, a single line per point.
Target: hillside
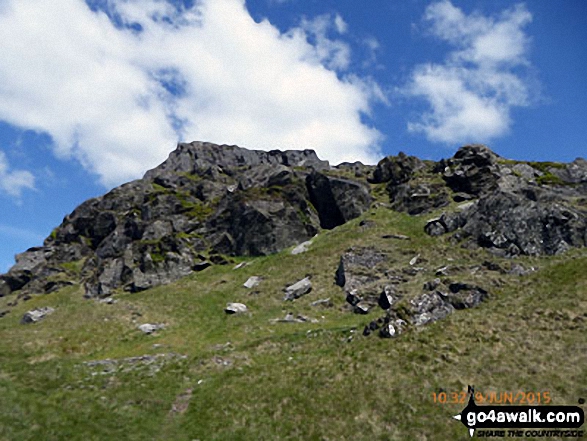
x: 474, y: 266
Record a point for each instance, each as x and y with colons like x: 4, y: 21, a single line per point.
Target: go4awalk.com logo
x: 537, y: 421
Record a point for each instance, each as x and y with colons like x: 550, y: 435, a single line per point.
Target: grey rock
x: 235, y: 308
x: 511, y: 223
x: 201, y: 156
x: 526, y: 171
x: 432, y: 285
x: 414, y: 260
x: 395, y: 236
x: 301, y: 248
x: 252, y: 282
x: 337, y: 200
x: 298, y: 289
x: 388, y: 297
x: 396, y: 169
x: 149, y: 328
x: 362, y: 308
x: 428, y: 308
x: 519, y: 270
x: 327, y: 303
x: 36, y: 315
x: 415, y: 198
x: 362, y: 274
x: 472, y: 170
x: 435, y: 227
x: 464, y: 295
x: 290, y: 318
x: 392, y: 329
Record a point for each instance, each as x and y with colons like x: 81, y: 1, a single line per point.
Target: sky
x: 94, y: 93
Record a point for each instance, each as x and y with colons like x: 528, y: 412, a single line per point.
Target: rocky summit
x: 207, y: 203
x: 204, y: 203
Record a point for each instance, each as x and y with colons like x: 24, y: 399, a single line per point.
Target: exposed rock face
x: 417, y: 198
x: 206, y: 203
x: 396, y: 169
x: 203, y: 202
x: 337, y: 200
x: 473, y: 169
x: 512, y: 224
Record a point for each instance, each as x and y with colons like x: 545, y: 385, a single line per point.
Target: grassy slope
x: 291, y: 381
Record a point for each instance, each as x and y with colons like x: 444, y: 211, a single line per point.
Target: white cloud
x: 334, y: 53
x: 470, y: 96
x: 13, y: 182
x: 117, y: 99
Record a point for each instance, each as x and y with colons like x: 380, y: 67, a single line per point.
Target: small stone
x: 395, y: 236
x: 386, y: 298
x: 200, y: 266
x: 149, y: 328
x: 361, y: 308
x: 252, y: 282
x: 301, y: 248
x: 298, y: 289
x: 108, y: 301
x: 387, y: 331
x: 235, y: 308
x: 322, y: 302
x: 431, y: 285
x: 435, y: 227
x: 353, y: 298
x: 442, y: 271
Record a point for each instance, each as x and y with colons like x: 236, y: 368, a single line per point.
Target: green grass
x: 254, y: 380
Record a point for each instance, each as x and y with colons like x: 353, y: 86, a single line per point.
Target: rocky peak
x: 204, y: 204
x: 198, y: 157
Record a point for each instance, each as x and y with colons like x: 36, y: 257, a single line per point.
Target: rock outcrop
x: 204, y: 203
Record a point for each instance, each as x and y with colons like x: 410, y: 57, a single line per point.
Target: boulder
x: 235, y: 308
x: 464, y: 295
x: 428, y: 308
x: 252, y: 282
x: 472, y: 170
x: 36, y: 315
x: 298, y: 289
x: 388, y: 297
x: 149, y: 328
x: 396, y: 169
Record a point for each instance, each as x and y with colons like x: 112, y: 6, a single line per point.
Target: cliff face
x: 206, y: 203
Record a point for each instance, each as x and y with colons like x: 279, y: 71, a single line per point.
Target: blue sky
x: 94, y: 93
